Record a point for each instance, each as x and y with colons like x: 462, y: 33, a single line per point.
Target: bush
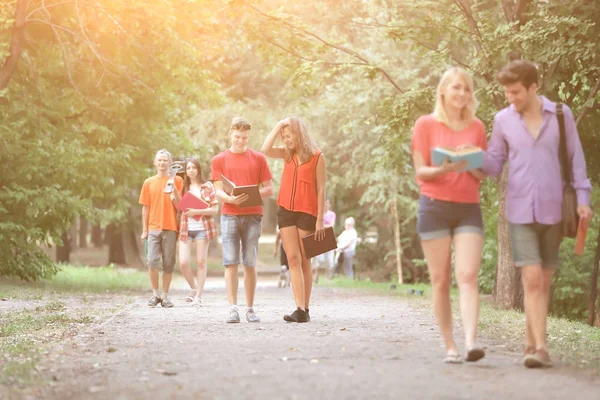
x: 24, y: 260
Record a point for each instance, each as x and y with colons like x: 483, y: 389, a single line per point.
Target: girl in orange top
x: 449, y: 211
x: 301, y: 203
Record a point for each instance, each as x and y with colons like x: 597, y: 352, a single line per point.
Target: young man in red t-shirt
x: 240, y: 226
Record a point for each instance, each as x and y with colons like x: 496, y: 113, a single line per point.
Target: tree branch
x: 522, y: 6
x: 329, y: 44
x: 16, y: 45
x: 295, y: 54
x: 41, y: 21
x: 587, y: 106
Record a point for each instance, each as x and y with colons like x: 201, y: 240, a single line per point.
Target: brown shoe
x: 539, y: 359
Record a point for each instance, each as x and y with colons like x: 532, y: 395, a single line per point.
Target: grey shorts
x: 162, y: 244
x: 535, y: 244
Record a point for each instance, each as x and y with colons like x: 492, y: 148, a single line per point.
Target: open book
x: 313, y: 248
x: 255, y: 199
x: 472, y: 154
x: 190, y: 201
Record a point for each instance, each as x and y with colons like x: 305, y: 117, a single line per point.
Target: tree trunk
x: 97, y: 236
x: 116, y: 251
x: 63, y: 252
x: 594, y: 285
x: 17, y: 40
x: 508, y: 291
x: 73, y: 235
x: 397, y: 240
x: 134, y: 256
x: 83, y: 231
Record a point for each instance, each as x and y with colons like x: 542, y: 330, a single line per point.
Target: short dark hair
x: 518, y: 71
x: 240, y: 124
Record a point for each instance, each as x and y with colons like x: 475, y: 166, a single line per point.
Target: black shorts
x: 304, y: 221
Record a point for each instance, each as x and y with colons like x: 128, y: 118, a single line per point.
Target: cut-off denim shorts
x: 196, y: 235
x: 439, y: 218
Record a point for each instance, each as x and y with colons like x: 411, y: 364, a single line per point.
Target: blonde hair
x: 163, y: 152
x: 305, y: 146
x: 468, y: 113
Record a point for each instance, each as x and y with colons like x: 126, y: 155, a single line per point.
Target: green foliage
x: 100, y: 87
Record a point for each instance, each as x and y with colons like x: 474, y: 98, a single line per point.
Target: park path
x: 358, y: 346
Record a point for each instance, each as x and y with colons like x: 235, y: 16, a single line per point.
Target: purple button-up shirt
x: 535, y: 185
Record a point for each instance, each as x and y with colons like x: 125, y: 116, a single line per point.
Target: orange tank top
x: 298, y: 190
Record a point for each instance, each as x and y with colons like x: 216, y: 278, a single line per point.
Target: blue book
x: 473, y: 154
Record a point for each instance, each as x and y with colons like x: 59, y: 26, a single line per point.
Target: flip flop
x: 189, y: 299
x: 475, y: 354
x: 453, y: 359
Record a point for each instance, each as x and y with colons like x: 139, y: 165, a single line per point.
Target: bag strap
x: 564, y: 157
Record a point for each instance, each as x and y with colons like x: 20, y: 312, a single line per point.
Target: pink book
x: 190, y: 201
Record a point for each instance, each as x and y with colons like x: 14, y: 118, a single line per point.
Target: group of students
x: 526, y: 134
x: 301, y: 209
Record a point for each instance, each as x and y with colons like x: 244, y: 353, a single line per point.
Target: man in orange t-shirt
x: 240, y: 226
x: 159, y: 220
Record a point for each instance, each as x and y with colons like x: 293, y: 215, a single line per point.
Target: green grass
x: 571, y: 342
x: 23, y: 333
x: 72, y: 279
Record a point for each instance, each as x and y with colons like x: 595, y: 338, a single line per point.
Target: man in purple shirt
x: 526, y: 134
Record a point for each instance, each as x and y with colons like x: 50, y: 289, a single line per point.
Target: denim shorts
x: 240, y: 232
x: 535, y: 244
x: 196, y: 235
x: 439, y: 218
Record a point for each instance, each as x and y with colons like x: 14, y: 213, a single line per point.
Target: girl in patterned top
x: 197, y: 226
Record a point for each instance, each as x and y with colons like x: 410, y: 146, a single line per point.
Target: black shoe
x: 297, y: 316
x: 307, y: 316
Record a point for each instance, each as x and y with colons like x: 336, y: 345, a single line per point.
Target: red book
x: 581, y: 234
x: 190, y: 201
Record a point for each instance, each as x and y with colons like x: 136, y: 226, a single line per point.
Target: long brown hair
x: 186, y: 180
x: 305, y: 147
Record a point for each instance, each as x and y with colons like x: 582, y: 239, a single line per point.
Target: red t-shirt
x: 247, y: 168
x: 460, y: 187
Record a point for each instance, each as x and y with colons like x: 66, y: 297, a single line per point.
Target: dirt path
x: 357, y: 346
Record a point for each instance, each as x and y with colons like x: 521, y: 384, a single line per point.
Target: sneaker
x: 234, y: 316
x: 539, y: 359
x: 297, y: 316
x: 166, y: 303
x: 251, y: 316
x: 154, y: 301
